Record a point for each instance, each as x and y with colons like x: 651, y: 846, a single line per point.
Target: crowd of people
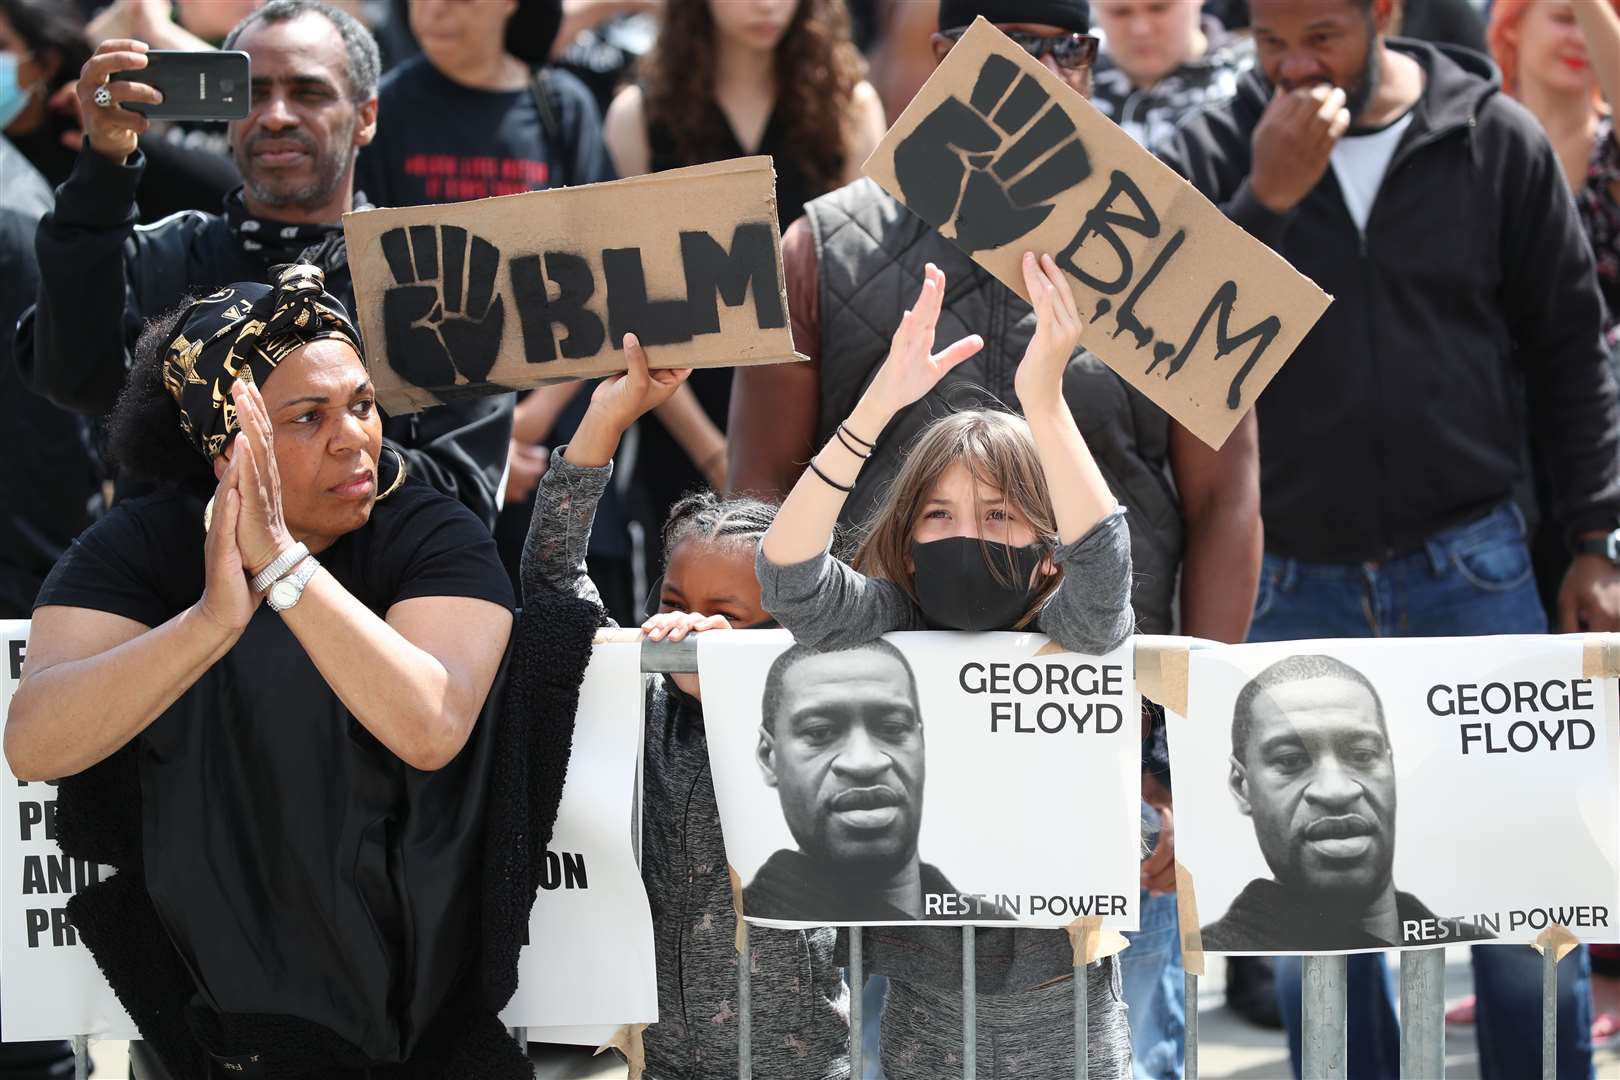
x: 274, y: 650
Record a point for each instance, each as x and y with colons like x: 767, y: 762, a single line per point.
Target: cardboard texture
x: 467, y: 299
x: 1600, y: 659
x: 1002, y: 157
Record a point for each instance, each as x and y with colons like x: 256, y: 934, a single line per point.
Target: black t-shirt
x: 300, y: 867
x: 438, y: 141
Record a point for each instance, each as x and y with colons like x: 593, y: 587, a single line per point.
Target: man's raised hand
x: 1293, y: 144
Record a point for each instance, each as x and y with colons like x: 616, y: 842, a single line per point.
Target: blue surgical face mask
x: 14, y: 97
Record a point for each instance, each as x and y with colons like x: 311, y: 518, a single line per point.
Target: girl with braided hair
x: 800, y: 1011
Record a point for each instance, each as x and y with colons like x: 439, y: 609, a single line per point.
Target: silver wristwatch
x: 286, y: 592
x: 279, y: 566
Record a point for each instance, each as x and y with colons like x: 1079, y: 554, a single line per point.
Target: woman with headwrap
x: 293, y: 672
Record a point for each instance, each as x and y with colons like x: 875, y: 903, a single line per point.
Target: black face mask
x: 958, y: 591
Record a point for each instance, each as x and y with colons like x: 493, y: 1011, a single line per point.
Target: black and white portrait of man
x: 841, y: 740
x: 1312, y: 767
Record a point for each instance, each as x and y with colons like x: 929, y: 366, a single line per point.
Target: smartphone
x: 211, y: 85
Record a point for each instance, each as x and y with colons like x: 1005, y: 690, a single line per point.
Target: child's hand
x: 677, y: 624
x: 1039, y: 379
x: 616, y: 403
x: 910, y: 370
x: 621, y: 399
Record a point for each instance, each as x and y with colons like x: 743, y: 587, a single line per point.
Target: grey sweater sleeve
x: 1090, y: 611
x: 560, y: 530
x: 826, y: 603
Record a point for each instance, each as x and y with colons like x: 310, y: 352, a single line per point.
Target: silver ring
x: 103, y: 96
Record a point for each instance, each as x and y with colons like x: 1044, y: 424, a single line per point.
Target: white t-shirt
x: 1360, y: 161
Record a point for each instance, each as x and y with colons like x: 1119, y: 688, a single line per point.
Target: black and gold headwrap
x: 242, y: 332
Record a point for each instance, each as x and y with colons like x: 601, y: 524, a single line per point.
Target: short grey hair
x: 362, y: 65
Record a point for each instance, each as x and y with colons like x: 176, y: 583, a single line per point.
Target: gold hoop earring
x: 399, y: 474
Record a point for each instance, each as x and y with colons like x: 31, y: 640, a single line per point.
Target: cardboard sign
x: 1002, y: 157
x: 51, y: 987
x: 467, y: 299
x: 1350, y: 796
x: 957, y: 779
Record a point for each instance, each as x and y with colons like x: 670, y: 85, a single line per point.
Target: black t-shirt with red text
x: 438, y: 141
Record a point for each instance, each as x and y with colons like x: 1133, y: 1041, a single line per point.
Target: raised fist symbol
x: 989, y: 165
x: 442, y: 317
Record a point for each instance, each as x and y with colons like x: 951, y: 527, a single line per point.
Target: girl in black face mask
x: 994, y: 522
x: 708, y: 585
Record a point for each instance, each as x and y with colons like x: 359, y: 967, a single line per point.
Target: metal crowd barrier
x: 1422, y: 1006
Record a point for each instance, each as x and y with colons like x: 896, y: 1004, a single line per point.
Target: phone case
x: 195, y: 85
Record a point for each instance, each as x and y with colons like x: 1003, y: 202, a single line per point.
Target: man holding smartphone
x: 1466, y: 314
x: 313, y: 106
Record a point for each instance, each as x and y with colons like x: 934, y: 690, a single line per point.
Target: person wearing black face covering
x: 1015, y: 511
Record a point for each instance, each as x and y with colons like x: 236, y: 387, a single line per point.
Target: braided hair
x: 703, y: 515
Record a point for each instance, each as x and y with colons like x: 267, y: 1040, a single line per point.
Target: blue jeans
x: 1472, y: 579
x: 1155, y: 989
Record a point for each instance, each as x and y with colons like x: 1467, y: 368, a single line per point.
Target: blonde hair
x: 999, y: 452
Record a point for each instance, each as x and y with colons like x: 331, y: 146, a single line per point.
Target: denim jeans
x: 1155, y: 988
x: 1472, y: 579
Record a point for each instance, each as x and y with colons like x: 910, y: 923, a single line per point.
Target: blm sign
x: 1002, y: 157
x: 482, y: 297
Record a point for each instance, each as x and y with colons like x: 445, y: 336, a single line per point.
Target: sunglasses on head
x: 1069, y: 50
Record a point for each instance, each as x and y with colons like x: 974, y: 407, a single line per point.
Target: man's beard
x: 1357, y: 98
x: 329, y: 170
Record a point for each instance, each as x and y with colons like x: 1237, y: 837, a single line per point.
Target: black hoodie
x: 1468, y: 304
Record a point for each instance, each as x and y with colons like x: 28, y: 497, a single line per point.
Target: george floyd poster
x: 953, y: 778
x: 1351, y: 796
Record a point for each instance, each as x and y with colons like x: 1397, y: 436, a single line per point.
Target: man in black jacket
x: 315, y: 73
x: 1465, y: 312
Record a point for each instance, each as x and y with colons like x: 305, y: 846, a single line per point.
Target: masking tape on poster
x: 1600, y: 659
x: 1161, y: 671
x: 627, y: 1041
x: 1558, y: 939
x: 736, y: 905
x: 617, y: 635
x: 1192, y: 939
x: 1091, y: 942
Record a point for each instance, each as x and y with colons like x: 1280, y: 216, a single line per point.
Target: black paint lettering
x: 1125, y: 320
x: 1264, y: 331
x: 1103, y: 221
x: 711, y: 271
x: 17, y: 650
x: 537, y: 312
x: 654, y: 322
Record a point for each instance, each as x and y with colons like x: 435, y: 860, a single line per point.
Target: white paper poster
x: 1346, y: 796
x: 1029, y: 758
x: 589, y: 962
x: 50, y: 987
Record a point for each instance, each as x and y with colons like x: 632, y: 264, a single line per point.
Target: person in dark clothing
x: 484, y: 119
x: 49, y: 45
x: 727, y: 80
x: 315, y: 72
x: 50, y: 483
x: 1313, y: 768
x: 283, y: 747
x: 1399, y: 178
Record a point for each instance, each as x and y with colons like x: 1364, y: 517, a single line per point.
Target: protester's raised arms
x: 1080, y: 495
x: 804, y: 526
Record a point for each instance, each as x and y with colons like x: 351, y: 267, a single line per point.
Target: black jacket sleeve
x: 1554, y: 311
x: 460, y: 448
x: 73, y: 347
